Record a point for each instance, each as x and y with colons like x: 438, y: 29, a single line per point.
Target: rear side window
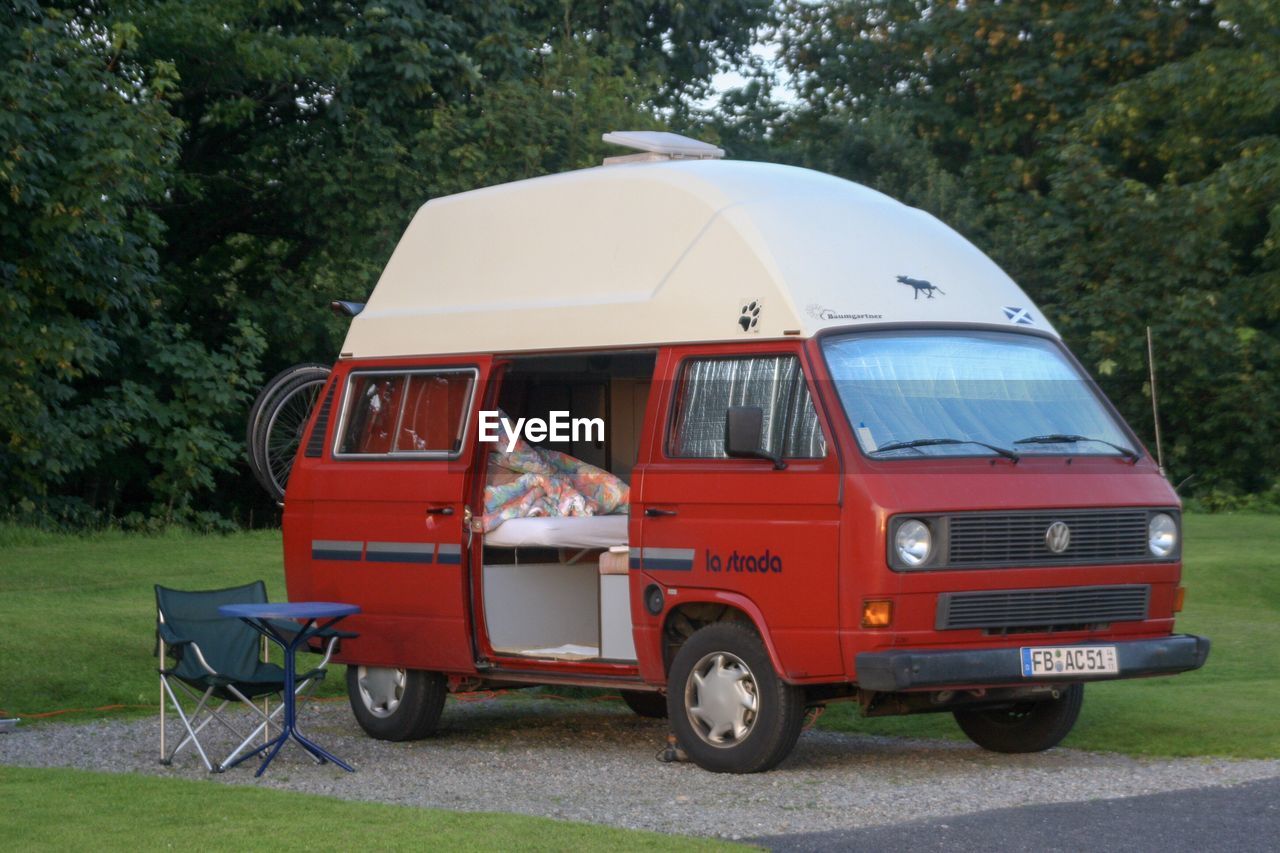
x: 709, y: 386
x: 406, y: 413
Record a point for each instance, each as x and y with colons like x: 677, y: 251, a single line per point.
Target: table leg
x: 289, y: 727
x: 273, y: 746
x: 306, y: 743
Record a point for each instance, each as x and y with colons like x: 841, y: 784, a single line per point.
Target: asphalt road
x: 1242, y: 818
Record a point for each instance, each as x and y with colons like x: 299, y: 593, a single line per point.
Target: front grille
x: 1018, y: 538
x: 1043, y: 609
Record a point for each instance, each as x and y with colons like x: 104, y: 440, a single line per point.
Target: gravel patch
x: 595, y: 761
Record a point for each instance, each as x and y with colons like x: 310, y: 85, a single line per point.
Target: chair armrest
x: 178, y: 644
x: 169, y: 636
x: 327, y: 641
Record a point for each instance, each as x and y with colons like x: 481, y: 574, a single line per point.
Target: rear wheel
x: 277, y: 420
x: 730, y: 710
x: 1026, y: 726
x: 646, y: 704
x: 396, y: 704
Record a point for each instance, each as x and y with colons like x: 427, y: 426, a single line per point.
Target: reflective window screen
x: 993, y: 387
x: 708, y: 387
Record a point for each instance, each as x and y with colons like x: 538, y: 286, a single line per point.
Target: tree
x: 1170, y: 194
x: 1117, y: 158
x: 267, y: 156
x: 86, y: 144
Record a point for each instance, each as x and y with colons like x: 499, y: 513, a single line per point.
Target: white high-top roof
x: 672, y: 251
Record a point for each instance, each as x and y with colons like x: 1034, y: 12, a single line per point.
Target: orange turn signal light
x: 877, y: 614
x: 1179, y: 596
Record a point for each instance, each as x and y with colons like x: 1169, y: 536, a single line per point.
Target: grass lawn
x: 1230, y: 707
x: 76, y: 810
x: 80, y: 611
x: 85, y: 604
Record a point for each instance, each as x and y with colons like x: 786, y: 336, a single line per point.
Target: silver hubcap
x: 722, y: 699
x: 381, y: 689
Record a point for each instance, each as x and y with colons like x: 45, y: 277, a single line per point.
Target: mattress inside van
x: 574, y: 531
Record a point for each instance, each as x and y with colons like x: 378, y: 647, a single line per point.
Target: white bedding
x: 574, y: 531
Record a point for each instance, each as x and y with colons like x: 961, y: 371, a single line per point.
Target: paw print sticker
x: 750, y: 315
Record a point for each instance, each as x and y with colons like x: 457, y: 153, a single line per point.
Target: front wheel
x: 396, y: 704
x: 1025, y: 726
x: 730, y: 710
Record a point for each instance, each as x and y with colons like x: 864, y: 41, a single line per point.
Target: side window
x: 709, y: 386
x: 406, y: 413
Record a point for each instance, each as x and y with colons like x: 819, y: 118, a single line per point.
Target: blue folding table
x: 315, y: 617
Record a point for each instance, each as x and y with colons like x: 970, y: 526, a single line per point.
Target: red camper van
x: 737, y: 440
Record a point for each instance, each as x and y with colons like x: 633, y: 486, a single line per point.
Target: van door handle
x: 654, y: 512
x: 439, y: 510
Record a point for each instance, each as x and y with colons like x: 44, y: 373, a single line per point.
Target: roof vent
x: 659, y: 145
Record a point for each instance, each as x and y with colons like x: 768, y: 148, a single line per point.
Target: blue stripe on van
x: 450, y: 555
x: 336, y: 549
x: 400, y: 552
x: 663, y: 559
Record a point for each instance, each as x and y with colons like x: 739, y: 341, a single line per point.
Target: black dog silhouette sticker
x: 750, y: 315
x: 921, y: 287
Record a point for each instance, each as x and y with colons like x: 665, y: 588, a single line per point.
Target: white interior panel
x: 617, y: 642
x: 542, y: 605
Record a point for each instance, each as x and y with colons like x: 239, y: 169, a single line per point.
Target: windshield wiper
x: 929, y: 442
x: 1064, y: 438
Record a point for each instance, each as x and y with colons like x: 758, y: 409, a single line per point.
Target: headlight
x: 913, y: 542
x: 1162, y: 534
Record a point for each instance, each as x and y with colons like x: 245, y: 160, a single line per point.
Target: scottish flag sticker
x: 1021, y: 316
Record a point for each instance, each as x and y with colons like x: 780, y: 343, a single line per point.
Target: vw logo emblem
x: 1058, y: 537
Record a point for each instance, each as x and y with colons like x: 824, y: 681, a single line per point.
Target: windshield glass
x: 1006, y: 391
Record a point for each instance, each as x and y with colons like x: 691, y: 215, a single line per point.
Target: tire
x: 276, y: 422
x: 396, y: 704
x: 728, y: 736
x: 1024, y: 727
x: 259, y: 403
x: 646, y: 704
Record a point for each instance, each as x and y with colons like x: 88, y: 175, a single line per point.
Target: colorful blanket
x: 531, y: 481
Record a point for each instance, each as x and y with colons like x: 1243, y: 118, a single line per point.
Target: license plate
x: 1067, y: 661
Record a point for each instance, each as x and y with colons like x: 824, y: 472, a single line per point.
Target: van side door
x: 738, y: 531
x: 379, y: 517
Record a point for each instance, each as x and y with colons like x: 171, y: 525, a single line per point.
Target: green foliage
x: 1218, y: 500
x: 86, y: 145
x: 1120, y: 160
x: 188, y: 185
x: 185, y: 186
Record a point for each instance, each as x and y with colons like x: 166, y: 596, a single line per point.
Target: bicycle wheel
x: 277, y: 421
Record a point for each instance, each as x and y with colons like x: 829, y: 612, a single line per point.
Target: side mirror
x: 743, y: 427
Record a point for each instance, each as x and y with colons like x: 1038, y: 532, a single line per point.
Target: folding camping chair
x: 217, y: 659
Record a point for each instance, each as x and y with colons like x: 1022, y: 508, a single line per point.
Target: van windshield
x: 952, y: 393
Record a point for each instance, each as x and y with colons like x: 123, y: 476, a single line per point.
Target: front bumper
x: 907, y: 670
